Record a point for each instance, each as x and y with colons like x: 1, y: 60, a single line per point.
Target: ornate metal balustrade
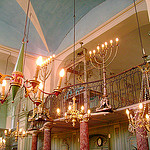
x: 123, y: 90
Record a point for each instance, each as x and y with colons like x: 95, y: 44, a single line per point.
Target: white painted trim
x: 124, y: 14
x: 148, y: 8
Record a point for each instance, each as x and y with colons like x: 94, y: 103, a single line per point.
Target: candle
x: 0, y: 139
x: 23, y: 133
x: 69, y: 108
x: 102, y: 46
x: 61, y: 74
x: 4, y: 141
x: 106, y: 44
x: 5, y: 132
x: 89, y: 112
x: 111, y: 41
x: 140, y: 106
x: 90, y: 53
x: 39, y: 90
x: 3, y: 87
x: 98, y: 48
x: 82, y: 109
x: 39, y: 62
x: 147, y: 117
x: 127, y: 112
x: 65, y: 115
x: 94, y: 52
x: 20, y: 131
x: 58, y: 111
x: 117, y: 41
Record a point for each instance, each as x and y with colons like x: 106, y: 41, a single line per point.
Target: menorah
x: 34, y: 86
x: 107, y: 53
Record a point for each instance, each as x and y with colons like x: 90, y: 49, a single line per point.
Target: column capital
x: 48, y: 125
x: 36, y: 132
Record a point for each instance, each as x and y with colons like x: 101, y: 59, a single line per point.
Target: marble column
x: 47, y: 135
x: 34, y: 140
x: 84, y: 135
x: 142, y: 139
x: 141, y: 133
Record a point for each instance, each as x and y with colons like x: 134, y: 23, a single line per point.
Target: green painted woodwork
x: 18, y: 67
x: 19, y: 63
x: 3, y: 114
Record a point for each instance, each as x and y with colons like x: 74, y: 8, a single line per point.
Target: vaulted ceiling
x: 52, y: 21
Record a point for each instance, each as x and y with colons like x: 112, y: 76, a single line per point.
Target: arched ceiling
x: 52, y: 21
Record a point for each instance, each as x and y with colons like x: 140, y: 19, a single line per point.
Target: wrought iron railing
x: 123, y: 90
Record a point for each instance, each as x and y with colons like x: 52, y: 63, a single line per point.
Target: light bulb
x: 82, y: 108
x: 117, y: 39
x: 39, y: 61
x: 94, y: 51
x: 4, y: 83
x: 23, y: 133
x: 41, y: 86
x: 65, y: 114
x: 127, y: 111
x: 58, y: 110
x: 53, y: 55
x: 90, y: 52
x: 69, y: 107
x: 98, y: 48
x: 62, y: 73
x: 4, y: 141
x: 20, y: 130
x: 5, y: 132
x: 89, y: 111
x: 111, y: 41
x: 140, y: 106
x: 147, y: 116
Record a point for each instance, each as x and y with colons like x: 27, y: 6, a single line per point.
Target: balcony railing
x: 123, y: 90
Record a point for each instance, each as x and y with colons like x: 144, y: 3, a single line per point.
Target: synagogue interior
x: 75, y: 75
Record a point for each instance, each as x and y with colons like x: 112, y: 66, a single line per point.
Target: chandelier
x: 16, y: 133
x: 40, y: 113
x: 140, y: 117
x: 73, y: 115
x: 35, y: 88
x: 100, y: 59
x: 2, y: 143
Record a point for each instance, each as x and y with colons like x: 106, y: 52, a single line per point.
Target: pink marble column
x: 84, y: 136
x: 141, y: 134
x: 47, y: 135
x: 34, y: 140
x: 142, y: 139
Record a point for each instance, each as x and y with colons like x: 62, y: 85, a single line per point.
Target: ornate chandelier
x: 2, y: 143
x: 73, y: 115
x: 17, y: 133
x: 140, y: 117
